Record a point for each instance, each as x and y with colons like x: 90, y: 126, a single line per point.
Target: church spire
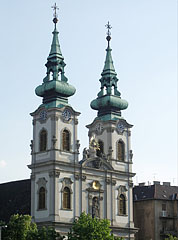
x: 109, y: 103
x: 108, y: 66
x: 55, y: 90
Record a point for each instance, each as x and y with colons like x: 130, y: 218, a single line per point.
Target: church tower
x: 110, y: 152
x: 55, y: 146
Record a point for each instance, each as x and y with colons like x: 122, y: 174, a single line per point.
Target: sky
x: 144, y: 51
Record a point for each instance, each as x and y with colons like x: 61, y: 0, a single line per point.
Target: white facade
x: 102, y: 178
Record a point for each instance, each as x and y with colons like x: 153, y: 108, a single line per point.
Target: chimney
x: 167, y: 184
x: 156, y: 182
x: 141, y: 184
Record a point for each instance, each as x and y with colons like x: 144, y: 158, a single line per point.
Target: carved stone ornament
x: 54, y: 173
x: 122, y: 189
x: 131, y: 184
x: 108, y: 180
x: 31, y: 146
x: 120, y: 127
x: 83, y: 177
x: 76, y: 175
x: 98, y: 128
x: 113, y: 182
x: 41, y: 183
x: 54, y: 140
x: 67, y: 182
x: 76, y: 122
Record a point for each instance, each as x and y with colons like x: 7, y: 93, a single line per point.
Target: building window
x: 100, y: 151
x: 66, y: 198
x: 43, y: 140
x: 66, y: 140
x: 42, y: 198
x: 122, y: 205
x: 164, y: 207
x: 121, y: 150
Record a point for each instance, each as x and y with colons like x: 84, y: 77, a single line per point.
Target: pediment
x: 97, y: 163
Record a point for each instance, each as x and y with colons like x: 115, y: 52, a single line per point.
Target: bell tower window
x: 66, y: 198
x: 122, y: 205
x: 42, y: 198
x: 43, y: 140
x: 121, y: 150
x: 66, y: 140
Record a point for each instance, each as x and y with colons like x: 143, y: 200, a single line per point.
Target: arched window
x: 122, y: 205
x: 43, y: 140
x: 42, y: 198
x: 121, y: 151
x: 100, y: 151
x: 66, y: 198
x: 66, y: 140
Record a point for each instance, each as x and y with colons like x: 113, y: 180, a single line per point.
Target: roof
x: 156, y: 191
x: 15, y: 197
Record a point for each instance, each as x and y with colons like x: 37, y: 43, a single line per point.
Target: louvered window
x: 122, y: 205
x: 43, y: 140
x: 42, y: 198
x: 121, y: 151
x: 66, y: 198
x: 66, y: 140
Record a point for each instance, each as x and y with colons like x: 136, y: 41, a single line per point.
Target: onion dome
x: 109, y: 103
x: 55, y: 89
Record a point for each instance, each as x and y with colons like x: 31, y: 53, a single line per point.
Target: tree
x: 20, y: 227
x: 88, y: 228
x: 170, y: 237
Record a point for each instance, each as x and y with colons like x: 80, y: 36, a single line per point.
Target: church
x: 100, y: 183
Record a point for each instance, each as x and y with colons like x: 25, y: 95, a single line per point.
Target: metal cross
x: 108, y: 26
x: 55, y: 8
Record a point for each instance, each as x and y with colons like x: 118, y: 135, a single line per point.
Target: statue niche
x: 95, y: 207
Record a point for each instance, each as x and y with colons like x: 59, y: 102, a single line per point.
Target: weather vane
x: 108, y: 26
x: 55, y: 8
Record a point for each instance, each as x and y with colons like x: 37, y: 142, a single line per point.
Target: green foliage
x: 170, y: 237
x: 88, y: 228
x: 20, y: 227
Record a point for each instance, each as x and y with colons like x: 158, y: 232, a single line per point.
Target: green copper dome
x: 55, y: 90
x: 109, y: 103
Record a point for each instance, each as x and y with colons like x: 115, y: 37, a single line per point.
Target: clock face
x: 99, y: 128
x: 43, y: 115
x: 120, y: 127
x: 66, y: 115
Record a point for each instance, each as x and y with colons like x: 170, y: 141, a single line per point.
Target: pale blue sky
x: 144, y: 43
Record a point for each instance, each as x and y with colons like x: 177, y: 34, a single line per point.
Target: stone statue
x: 54, y: 140
x: 78, y: 145
x: 95, y: 208
x: 85, y: 153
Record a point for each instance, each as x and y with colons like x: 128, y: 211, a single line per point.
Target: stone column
x: 54, y: 194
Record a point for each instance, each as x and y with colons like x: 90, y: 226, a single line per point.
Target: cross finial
x: 108, y: 26
x: 55, y: 8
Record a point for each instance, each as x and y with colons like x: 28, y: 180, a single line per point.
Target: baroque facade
x: 62, y: 185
